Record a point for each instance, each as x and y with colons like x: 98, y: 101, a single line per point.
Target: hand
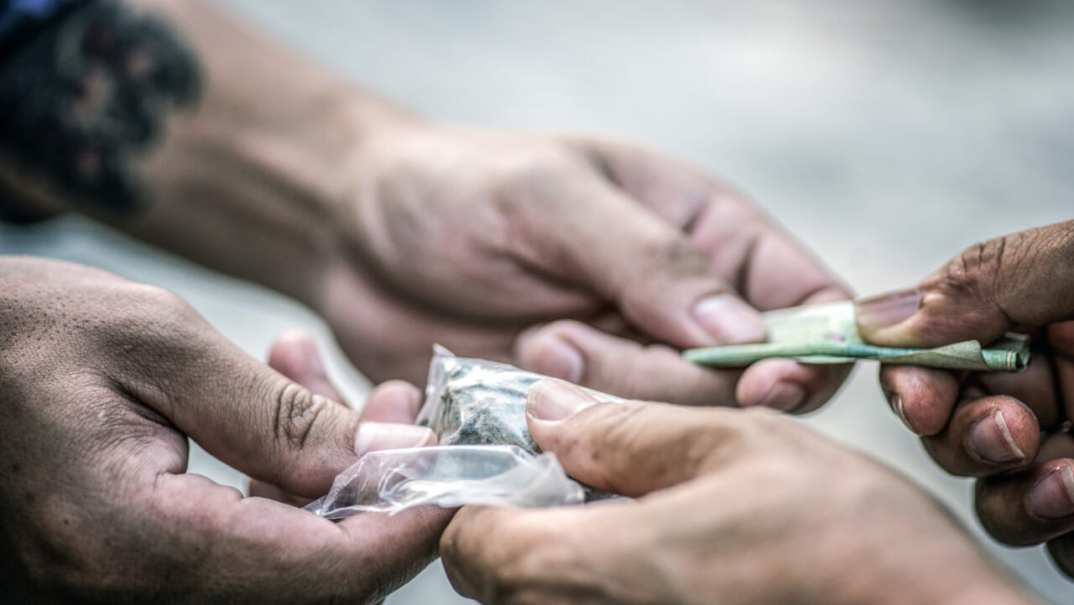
x: 1010, y: 429
x: 102, y: 381
x: 732, y: 507
x: 580, y: 259
x: 387, y: 415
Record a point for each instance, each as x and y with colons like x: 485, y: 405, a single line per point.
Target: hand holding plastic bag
x: 477, y: 409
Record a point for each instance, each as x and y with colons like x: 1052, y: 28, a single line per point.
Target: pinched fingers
x: 579, y: 353
x: 632, y: 448
x: 386, y: 420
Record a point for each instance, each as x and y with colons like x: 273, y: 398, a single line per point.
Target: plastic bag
x: 477, y: 409
x: 474, y: 401
x: 449, y: 476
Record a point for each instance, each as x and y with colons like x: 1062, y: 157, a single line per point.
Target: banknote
x: 828, y: 334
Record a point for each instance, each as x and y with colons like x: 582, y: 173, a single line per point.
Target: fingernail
x: 373, y: 436
x: 1053, y: 496
x: 554, y: 400
x: 783, y: 396
x: 990, y: 440
x: 896, y: 404
x: 557, y: 358
x: 729, y: 320
x: 888, y: 309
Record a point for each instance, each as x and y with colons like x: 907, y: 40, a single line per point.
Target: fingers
x: 744, y: 247
x: 789, y: 386
x: 497, y: 555
x: 295, y: 355
x: 985, y: 436
x: 387, y: 416
x: 924, y: 398
x: 245, y: 413
x: 588, y: 232
x: 288, y: 554
x: 578, y: 353
x: 394, y: 401
x: 1034, y: 506
x: 1019, y: 280
x: 628, y: 448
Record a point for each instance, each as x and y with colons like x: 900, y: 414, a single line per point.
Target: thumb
x: 598, y: 238
x: 629, y: 448
x: 1022, y: 280
x: 257, y: 420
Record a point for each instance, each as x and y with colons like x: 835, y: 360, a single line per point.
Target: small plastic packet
x: 390, y: 481
x: 477, y: 409
x: 472, y: 401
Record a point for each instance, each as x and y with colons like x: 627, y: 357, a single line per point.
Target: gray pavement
x: 888, y: 135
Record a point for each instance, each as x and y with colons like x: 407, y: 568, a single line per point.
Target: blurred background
x: 887, y: 135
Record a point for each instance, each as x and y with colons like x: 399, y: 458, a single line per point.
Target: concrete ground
x: 888, y: 135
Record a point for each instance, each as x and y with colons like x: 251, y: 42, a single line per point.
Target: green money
x: 828, y: 334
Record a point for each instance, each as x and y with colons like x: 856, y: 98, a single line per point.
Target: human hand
x: 732, y: 507
x: 103, y: 380
x: 581, y: 259
x: 388, y: 406
x: 1012, y: 430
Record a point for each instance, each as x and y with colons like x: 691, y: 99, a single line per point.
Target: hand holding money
x: 1013, y: 430
x: 828, y: 334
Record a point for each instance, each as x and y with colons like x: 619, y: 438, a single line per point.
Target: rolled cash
x: 828, y: 334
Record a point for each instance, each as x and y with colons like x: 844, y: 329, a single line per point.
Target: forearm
x: 247, y: 179
x: 249, y: 183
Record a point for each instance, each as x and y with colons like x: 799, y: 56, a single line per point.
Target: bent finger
x: 986, y: 436
x: 1032, y: 506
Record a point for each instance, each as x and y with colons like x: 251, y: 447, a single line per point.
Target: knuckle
x: 296, y: 413
x: 528, y: 183
x: 143, y: 310
x: 973, y: 272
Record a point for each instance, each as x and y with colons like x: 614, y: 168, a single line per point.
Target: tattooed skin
x: 88, y: 94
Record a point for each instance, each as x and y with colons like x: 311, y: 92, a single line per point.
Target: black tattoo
x: 89, y: 93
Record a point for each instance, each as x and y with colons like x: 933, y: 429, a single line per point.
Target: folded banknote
x: 828, y: 334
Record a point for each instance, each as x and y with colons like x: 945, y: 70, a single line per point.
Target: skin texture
x: 1010, y: 430
x: 576, y: 257
x: 730, y: 506
x: 102, y: 381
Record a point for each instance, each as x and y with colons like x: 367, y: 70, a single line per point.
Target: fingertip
x: 987, y: 436
x: 546, y: 351
x: 780, y: 384
x: 922, y: 398
x: 375, y: 436
x: 729, y: 320
x: 290, y: 353
x: 393, y: 401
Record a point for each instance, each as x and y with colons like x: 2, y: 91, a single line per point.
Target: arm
x: 253, y: 145
x: 570, y: 256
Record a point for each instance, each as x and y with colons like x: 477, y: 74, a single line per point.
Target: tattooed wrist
x: 88, y: 94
